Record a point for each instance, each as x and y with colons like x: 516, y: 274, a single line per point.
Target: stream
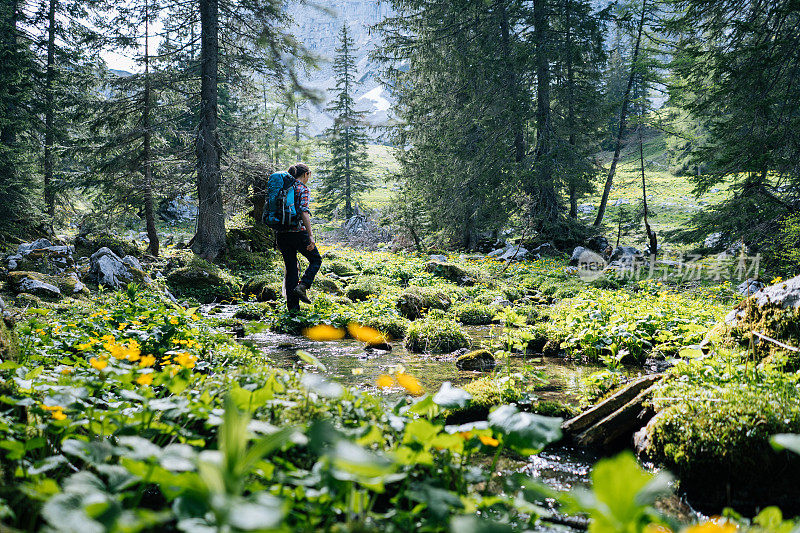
x: 559, y: 467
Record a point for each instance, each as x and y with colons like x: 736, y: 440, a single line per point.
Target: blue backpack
x: 282, y: 208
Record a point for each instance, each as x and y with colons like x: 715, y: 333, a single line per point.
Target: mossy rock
x: 87, y: 245
x: 9, y: 343
x: 204, y: 282
x: 65, y: 284
x: 327, y: 285
x: 365, y: 287
x: 24, y: 299
x: 476, y: 360
x: 238, y: 259
x: 393, y: 326
x: 487, y: 297
x: 416, y: 301
x: 251, y: 311
x: 487, y: 392
x: 774, y: 312
x: 474, y: 314
x: 512, y: 293
x: 262, y: 288
x: 435, y: 336
x: 340, y: 267
x: 721, y: 451
x: 451, y: 272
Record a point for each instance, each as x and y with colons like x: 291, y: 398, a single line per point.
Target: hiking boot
x: 300, y: 291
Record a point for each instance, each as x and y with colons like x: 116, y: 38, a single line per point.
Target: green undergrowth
x: 716, y: 414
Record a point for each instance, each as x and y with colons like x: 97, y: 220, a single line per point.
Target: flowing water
x: 350, y: 363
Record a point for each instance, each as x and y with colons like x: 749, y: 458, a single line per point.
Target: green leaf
x: 525, y: 433
x: 450, y: 397
x: 311, y: 360
x: 786, y: 441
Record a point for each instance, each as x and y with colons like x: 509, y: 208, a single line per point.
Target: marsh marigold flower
x: 145, y: 379
x: 410, y: 383
x: 384, y: 381
x: 99, y: 364
x: 147, y: 360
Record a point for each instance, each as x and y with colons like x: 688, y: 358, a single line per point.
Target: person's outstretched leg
x: 289, y: 252
x: 314, y: 261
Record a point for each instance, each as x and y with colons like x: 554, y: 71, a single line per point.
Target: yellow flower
x: 145, y: 379
x: 385, y: 381
x: 489, y: 441
x: 712, y: 526
x: 776, y: 280
x: 365, y: 334
x: 66, y: 370
x: 122, y: 326
x: 410, y: 383
x: 323, y: 332
x: 99, y: 364
x: 185, y: 359
x: 83, y: 347
x: 107, y: 338
x: 133, y: 351
x: 58, y: 415
x: 147, y: 360
x: 116, y: 350
x: 52, y: 407
x: 173, y: 320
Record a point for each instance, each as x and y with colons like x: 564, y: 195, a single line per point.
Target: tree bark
x: 149, y: 212
x: 49, y: 113
x: 573, y: 196
x: 622, y: 117
x: 209, y: 241
x: 511, y: 76
x: 651, y: 235
x: 545, y: 206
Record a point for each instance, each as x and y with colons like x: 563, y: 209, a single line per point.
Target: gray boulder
x: 576, y: 254
x: 438, y: 257
x: 749, y: 287
x: 713, y: 240
x: 2, y: 304
x: 785, y: 294
x: 39, y: 288
x: 625, y: 253
x: 108, y: 269
x: 514, y: 253
x: 27, y: 247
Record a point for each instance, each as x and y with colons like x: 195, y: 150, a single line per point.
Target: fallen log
x: 623, y: 422
x: 608, y: 406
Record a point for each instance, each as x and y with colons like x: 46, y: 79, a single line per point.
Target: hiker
x: 299, y: 238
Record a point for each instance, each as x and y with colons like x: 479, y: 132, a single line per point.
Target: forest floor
x: 126, y: 411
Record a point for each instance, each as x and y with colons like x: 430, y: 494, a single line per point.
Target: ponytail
x: 298, y: 170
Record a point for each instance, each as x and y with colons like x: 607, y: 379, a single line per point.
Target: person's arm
x: 307, y: 224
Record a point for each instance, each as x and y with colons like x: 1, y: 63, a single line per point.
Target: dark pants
x: 289, y: 243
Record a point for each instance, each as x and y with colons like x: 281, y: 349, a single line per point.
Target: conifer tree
x: 346, y: 174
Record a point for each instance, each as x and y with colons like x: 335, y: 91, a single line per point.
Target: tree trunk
x: 149, y: 212
x: 573, y: 196
x: 49, y: 112
x: 622, y: 117
x: 8, y: 131
x: 545, y: 200
x: 651, y: 235
x: 511, y: 76
x: 209, y: 241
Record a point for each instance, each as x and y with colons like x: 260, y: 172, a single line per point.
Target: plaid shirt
x: 301, y: 191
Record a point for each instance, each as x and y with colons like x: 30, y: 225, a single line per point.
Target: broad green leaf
x: 311, y: 360
x: 450, y: 397
x: 526, y: 433
x: 786, y: 441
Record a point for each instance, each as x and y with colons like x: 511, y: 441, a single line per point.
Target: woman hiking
x: 299, y: 238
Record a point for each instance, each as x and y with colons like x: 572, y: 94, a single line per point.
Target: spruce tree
x: 737, y: 64
x: 346, y: 174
